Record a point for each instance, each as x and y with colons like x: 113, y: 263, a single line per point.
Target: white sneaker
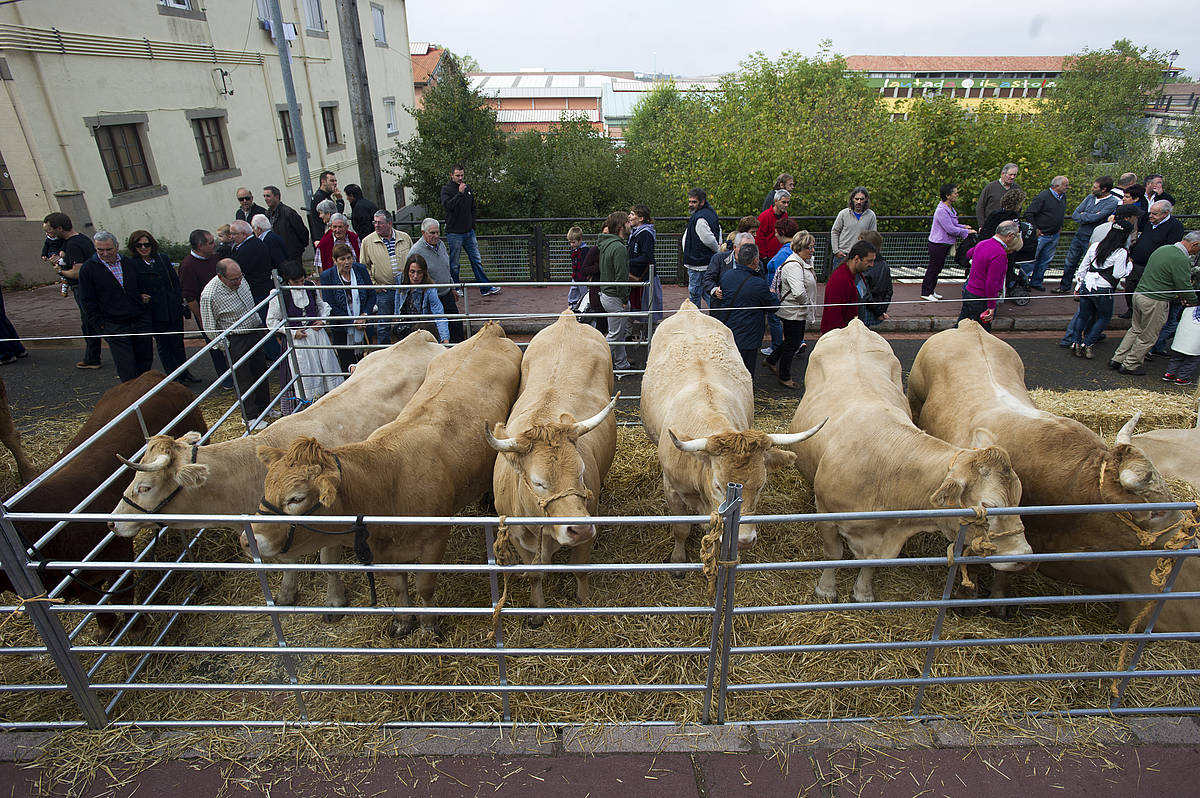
x: 766, y: 350
x: 936, y: 295
x: 259, y: 427
x: 930, y: 298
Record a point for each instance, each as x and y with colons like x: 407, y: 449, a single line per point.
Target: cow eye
x: 295, y: 499
x: 539, y: 484
x: 143, y: 488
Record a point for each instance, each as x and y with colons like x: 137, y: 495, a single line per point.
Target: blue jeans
x: 1174, y: 314
x: 1045, y: 253
x: 1090, y: 321
x: 457, y: 242
x: 695, y: 285
x: 386, y: 302
x: 1079, y: 246
x: 776, y: 326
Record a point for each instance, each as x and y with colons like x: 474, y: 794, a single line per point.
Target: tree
x: 455, y: 126
x: 1100, y: 99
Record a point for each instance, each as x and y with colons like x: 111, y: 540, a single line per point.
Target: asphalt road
x: 47, y: 383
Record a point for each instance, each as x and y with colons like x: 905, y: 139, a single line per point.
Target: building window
x: 313, y: 20
x: 389, y: 114
x: 123, y: 156
x: 285, y: 126
x: 330, y: 122
x: 182, y: 5
x: 10, y: 203
x: 377, y: 23
x: 210, y: 142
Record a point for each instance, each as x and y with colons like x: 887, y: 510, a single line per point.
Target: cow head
x: 547, y: 460
x: 983, y: 476
x: 745, y: 458
x: 1128, y: 477
x: 302, y: 480
x: 165, y: 470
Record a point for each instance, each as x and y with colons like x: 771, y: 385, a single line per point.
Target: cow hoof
x: 435, y: 631
x: 535, y: 621
x: 402, y: 628
x: 1004, y: 612
x: 823, y: 597
x: 332, y: 617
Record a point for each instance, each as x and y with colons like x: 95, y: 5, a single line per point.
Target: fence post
x: 539, y: 253
x: 29, y: 587
x: 947, y: 590
x: 732, y: 511
x: 489, y: 535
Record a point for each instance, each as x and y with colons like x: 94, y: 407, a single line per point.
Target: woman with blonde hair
x: 795, y: 284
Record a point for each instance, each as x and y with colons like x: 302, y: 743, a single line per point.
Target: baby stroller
x: 1016, y: 285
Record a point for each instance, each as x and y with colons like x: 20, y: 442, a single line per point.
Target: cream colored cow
x: 557, y: 445
x: 177, y: 476
x: 698, y: 407
x: 965, y: 379
x: 872, y: 457
x: 431, y: 461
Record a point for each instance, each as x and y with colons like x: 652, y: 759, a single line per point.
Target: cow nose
x: 747, y: 536
x: 574, y: 534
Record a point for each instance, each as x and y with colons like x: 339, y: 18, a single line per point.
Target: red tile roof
x: 955, y: 63
x: 423, y: 66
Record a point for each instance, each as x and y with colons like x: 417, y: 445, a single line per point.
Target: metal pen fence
x: 53, y: 677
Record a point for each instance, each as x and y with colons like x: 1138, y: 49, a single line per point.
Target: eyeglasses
x: 141, y: 244
x: 245, y: 199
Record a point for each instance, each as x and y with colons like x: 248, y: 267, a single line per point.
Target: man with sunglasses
x: 247, y: 207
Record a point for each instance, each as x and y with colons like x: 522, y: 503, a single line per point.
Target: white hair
x: 339, y: 217
x: 326, y: 206
x: 429, y: 223
x: 260, y: 223
x: 1164, y: 206
x: 781, y: 193
x: 742, y: 238
x: 104, y: 235
x: 242, y: 227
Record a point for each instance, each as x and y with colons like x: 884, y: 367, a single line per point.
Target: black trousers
x: 973, y: 307
x: 132, y: 353
x: 750, y: 358
x: 254, y: 402
x: 91, y: 332
x: 793, y: 336
x: 168, y: 339
x: 458, y: 329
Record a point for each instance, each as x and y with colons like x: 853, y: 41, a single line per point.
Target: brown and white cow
x: 557, y: 445
x: 872, y: 457
x: 698, y: 407
x: 177, y: 476
x: 964, y: 379
x: 430, y: 461
x: 1174, y: 452
x: 62, y: 490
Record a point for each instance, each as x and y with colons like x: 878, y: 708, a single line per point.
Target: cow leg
x: 335, y: 588
x: 582, y: 555
x: 677, y: 505
x: 887, y: 548
x: 402, y: 625
x: 536, y: 594
x: 831, y: 542
x: 431, y: 554
x: 286, y: 595
x: 999, y: 589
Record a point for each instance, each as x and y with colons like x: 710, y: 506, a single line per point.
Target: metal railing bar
x: 396, y: 651
x: 209, y: 687
x: 216, y: 609
x: 949, y: 680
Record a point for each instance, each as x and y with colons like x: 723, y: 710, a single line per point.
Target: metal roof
x: 545, y: 116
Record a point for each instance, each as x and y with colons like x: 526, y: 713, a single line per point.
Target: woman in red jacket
x: 846, y: 288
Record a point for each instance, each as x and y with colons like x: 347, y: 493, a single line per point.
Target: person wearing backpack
x: 1104, y: 265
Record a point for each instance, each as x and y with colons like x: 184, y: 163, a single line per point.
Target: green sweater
x: 614, y: 265
x: 1168, y: 272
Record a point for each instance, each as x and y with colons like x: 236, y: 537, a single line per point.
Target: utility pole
x: 361, y: 118
x: 289, y: 90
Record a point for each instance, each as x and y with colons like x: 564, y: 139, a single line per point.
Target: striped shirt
x: 222, y: 306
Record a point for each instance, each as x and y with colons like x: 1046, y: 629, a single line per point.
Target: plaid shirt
x: 221, y: 307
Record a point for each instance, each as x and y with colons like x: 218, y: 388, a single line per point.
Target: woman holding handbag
x: 795, y: 284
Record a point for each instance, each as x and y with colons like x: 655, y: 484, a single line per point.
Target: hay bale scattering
x: 634, y: 488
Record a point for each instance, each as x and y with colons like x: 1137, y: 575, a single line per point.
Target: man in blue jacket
x: 1095, y: 208
x: 746, y: 299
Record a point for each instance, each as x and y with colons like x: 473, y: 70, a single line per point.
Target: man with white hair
x: 276, y: 247
x: 383, y: 253
x: 339, y: 232
x: 1167, y: 278
x: 989, y: 266
x: 224, y: 304
x: 1156, y: 229
x: 437, y: 262
x: 253, y: 258
x: 118, y: 306
x: 993, y: 192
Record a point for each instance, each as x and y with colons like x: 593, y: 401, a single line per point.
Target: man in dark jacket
x: 721, y: 263
x: 614, y: 268
x: 112, y: 298
x: 328, y: 190
x: 1046, y: 212
x: 701, y: 240
x: 247, y: 207
x: 255, y: 261
x: 1158, y: 228
x: 276, y: 248
x: 362, y: 212
x: 745, y: 294
x: 461, y: 213
x: 286, y: 223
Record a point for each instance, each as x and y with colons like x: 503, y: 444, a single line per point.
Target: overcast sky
x: 702, y: 37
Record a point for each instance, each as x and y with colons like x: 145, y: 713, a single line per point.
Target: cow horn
x: 589, y: 424
x: 504, y: 445
x: 789, y: 438
x: 694, y: 445
x: 1126, y: 434
x: 157, y: 464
